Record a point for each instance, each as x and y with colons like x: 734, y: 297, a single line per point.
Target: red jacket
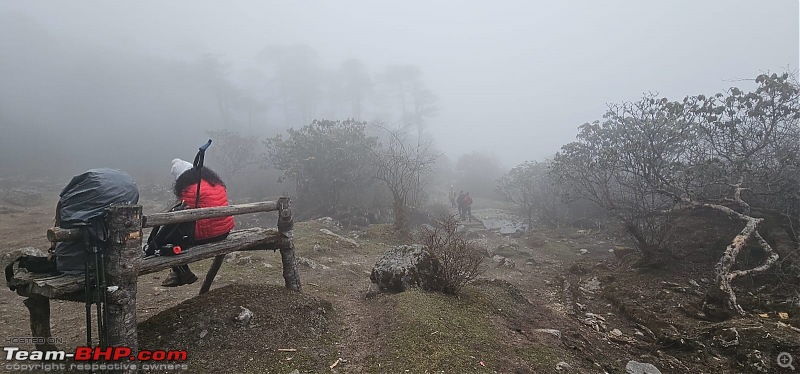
x: 210, y: 196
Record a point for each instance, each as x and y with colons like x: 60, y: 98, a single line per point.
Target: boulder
x: 634, y: 367
x: 404, y: 267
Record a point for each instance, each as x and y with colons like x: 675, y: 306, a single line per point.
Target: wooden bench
x: 124, y: 263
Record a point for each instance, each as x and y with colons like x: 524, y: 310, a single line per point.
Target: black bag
x: 83, y: 203
x: 171, y: 239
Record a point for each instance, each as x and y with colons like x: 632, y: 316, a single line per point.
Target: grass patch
x: 432, y: 332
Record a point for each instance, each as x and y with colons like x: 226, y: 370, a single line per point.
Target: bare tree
x: 400, y: 166
x: 238, y: 152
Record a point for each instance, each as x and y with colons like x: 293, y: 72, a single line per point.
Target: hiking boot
x: 176, y: 279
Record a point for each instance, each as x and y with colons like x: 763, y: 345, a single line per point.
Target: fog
x: 135, y: 84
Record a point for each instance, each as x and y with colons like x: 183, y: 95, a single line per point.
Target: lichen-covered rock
x: 404, y: 267
x: 634, y: 367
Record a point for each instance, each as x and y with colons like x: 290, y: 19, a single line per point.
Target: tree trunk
x: 720, y: 300
x: 400, y: 219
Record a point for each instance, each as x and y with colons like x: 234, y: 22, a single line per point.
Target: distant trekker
x: 468, y: 206
x: 451, y: 195
x: 460, y: 202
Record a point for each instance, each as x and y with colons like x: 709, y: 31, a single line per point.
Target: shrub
x: 460, y: 260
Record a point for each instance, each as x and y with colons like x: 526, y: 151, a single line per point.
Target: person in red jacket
x: 213, y: 192
x: 468, y: 206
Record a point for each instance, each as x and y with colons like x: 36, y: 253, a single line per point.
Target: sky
x: 514, y: 78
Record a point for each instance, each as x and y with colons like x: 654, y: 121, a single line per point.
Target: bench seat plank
x: 71, y: 287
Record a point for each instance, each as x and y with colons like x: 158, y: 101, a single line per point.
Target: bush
x: 460, y: 260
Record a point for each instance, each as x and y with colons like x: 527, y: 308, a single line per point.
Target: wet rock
x: 634, y: 367
x: 404, y: 267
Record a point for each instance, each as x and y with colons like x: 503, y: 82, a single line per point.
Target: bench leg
x: 39, y: 308
x: 290, y: 276
x: 212, y: 273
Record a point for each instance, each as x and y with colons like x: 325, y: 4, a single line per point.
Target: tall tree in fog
x: 296, y: 80
x: 237, y: 152
x: 213, y: 71
x: 356, y: 86
x: 415, y: 102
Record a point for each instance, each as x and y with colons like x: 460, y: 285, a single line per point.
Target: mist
x: 96, y: 84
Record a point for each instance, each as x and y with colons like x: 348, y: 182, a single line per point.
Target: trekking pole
x: 198, y: 164
x: 98, y: 301
x: 88, y: 300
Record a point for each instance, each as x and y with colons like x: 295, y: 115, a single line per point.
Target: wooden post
x: 212, y: 273
x: 123, y: 260
x: 39, y: 308
x: 288, y: 261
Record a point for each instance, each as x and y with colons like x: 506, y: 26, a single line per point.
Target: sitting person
x: 213, y: 193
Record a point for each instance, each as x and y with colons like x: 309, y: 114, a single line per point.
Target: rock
x: 245, y: 317
x: 504, y: 261
x: 757, y: 361
x: 348, y: 240
x: 634, y: 367
x: 693, y: 283
x: 203, y: 333
x: 404, y: 267
x: 583, y: 251
x: 311, y: 264
x: 563, y: 366
x: 728, y: 337
x: 508, y: 231
x: 326, y: 221
x: 592, y: 285
x: 554, y: 332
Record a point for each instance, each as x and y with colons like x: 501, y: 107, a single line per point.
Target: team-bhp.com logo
x: 95, y: 358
